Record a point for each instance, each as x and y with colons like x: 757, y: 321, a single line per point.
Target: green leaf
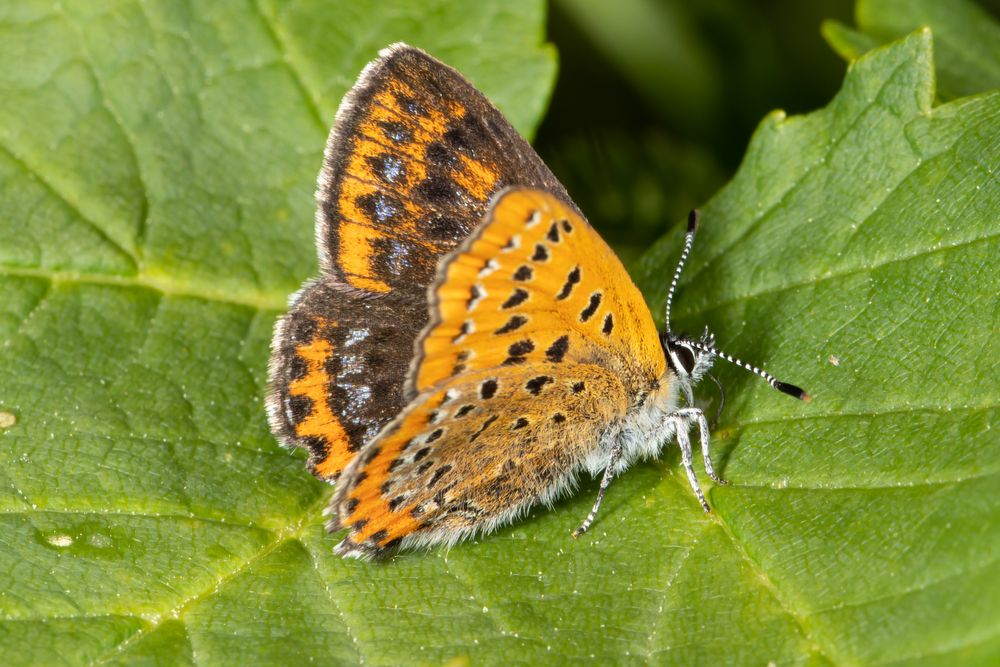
x: 854, y: 253
x: 967, y: 39
x: 157, y: 208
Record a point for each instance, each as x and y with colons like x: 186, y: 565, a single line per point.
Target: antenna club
x: 791, y: 390
x: 694, y: 218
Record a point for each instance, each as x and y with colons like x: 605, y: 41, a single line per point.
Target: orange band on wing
x: 476, y: 178
x: 355, y: 256
x: 375, y: 207
x: 321, y: 422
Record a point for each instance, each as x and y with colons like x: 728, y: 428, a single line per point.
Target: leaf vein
x: 293, y: 531
x: 51, y: 188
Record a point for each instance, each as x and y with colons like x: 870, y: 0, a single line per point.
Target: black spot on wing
x: 572, y: 278
x: 517, y: 352
x: 475, y: 295
x: 458, y: 137
x: 441, y: 227
x: 534, y: 385
x: 488, y: 388
x: 463, y: 331
x: 437, y: 190
x: 521, y: 348
x: 411, y: 106
x: 389, y: 168
x: 558, y: 349
x: 486, y: 425
x: 553, y: 233
x: 514, y: 323
x: 438, y: 474
x: 588, y: 312
x: 396, y: 132
x: 516, y: 298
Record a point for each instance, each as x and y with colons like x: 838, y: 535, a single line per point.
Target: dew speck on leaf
x: 60, y: 540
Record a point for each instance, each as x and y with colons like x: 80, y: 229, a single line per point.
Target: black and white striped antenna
x: 783, y: 387
x: 707, y: 344
x: 693, y: 217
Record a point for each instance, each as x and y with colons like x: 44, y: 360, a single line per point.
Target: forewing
x: 412, y: 162
x: 338, y: 362
x: 535, y: 285
x: 474, y: 453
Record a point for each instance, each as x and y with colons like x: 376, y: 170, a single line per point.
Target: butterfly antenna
x: 693, y: 217
x: 783, y: 387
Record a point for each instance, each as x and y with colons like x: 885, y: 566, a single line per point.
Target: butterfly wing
x: 534, y: 285
x: 338, y: 360
x: 518, y: 381
x: 474, y: 453
x: 412, y: 162
x: 414, y: 157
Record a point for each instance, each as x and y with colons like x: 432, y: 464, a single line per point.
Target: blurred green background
x: 656, y: 99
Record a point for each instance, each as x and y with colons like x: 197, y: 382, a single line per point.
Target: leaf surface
x: 967, y: 39
x: 158, y: 166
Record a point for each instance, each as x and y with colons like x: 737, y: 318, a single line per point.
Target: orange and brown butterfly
x: 471, y: 344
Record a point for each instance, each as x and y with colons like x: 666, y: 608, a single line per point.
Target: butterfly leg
x: 698, y: 415
x: 609, y: 473
x: 694, y: 414
x: 681, y: 422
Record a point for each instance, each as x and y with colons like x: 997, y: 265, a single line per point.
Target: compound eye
x: 684, y: 356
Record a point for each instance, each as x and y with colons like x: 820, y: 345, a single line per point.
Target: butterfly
x: 471, y: 344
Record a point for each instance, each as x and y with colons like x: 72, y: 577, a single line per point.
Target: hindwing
x: 474, y: 453
x: 337, y: 364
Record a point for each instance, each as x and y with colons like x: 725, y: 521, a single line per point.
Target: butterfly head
x: 687, y: 358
